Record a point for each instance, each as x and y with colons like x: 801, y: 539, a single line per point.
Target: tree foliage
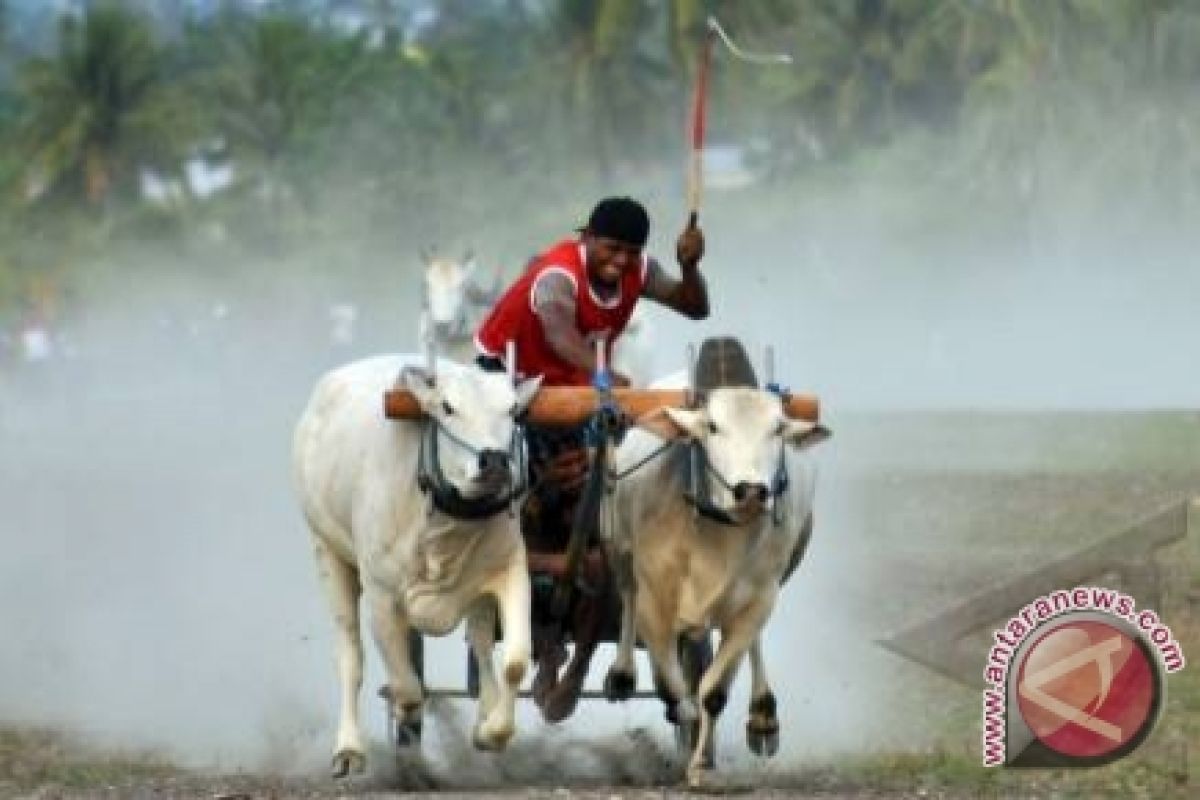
x: 432, y: 111
x: 98, y: 112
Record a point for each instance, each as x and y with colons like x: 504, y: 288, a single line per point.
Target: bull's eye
x: 447, y: 409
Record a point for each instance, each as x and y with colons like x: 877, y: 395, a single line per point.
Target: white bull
x: 455, y: 303
x: 375, y: 533
x: 686, y: 573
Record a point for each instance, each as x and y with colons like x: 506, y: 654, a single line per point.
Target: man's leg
x: 558, y: 464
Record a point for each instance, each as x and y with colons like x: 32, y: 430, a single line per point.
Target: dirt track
x: 45, y: 766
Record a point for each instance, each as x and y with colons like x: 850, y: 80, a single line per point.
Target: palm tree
x: 99, y: 111
x: 264, y: 89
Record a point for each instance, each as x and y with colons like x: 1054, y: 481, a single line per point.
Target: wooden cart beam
x: 573, y: 405
x: 525, y: 694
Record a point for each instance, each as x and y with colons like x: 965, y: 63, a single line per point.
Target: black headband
x: 620, y: 218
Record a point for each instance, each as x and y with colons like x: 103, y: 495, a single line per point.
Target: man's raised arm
x: 689, y: 295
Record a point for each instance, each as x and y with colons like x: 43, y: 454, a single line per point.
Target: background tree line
x: 427, y: 118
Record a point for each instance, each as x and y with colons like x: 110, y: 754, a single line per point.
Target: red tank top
x: 513, y: 318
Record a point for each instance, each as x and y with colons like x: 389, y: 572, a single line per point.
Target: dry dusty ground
x: 44, y: 766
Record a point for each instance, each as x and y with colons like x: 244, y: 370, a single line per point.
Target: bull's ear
x: 691, y: 422
x: 801, y: 433
x: 669, y: 422
x: 418, y: 381
x: 526, y: 390
x: 661, y: 425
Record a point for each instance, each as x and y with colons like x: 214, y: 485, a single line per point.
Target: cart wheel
x: 695, y: 656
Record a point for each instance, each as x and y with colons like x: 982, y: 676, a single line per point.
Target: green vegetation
x: 404, y: 131
x: 31, y: 758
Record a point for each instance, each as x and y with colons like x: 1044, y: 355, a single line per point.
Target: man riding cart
x: 580, y: 292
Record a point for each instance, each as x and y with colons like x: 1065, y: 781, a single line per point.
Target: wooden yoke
x: 566, y: 406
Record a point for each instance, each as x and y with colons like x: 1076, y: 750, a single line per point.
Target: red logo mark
x: 1086, y: 688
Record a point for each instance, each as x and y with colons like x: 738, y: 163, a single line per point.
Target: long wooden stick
x: 695, y: 184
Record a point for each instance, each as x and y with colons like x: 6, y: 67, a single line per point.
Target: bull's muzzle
x: 746, y: 492
x: 494, y: 466
x: 750, y: 498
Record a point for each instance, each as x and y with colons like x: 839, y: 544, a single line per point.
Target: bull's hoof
x: 491, y: 741
x: 764, y: 743
x: 408, y: 732
x: 619, y: 685
x: 702, y: 779
x: 347, y: 762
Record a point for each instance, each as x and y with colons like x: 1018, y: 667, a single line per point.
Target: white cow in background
x: 455, y: 303
x: 376, y: 534
x: 720, y: 568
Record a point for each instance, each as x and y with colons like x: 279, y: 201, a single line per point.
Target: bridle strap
x: 699, y: 495
x: 445, y: 496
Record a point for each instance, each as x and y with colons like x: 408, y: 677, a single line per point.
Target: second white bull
x: 705, y: 535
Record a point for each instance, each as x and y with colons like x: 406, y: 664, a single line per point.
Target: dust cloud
x: 156, y: 588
